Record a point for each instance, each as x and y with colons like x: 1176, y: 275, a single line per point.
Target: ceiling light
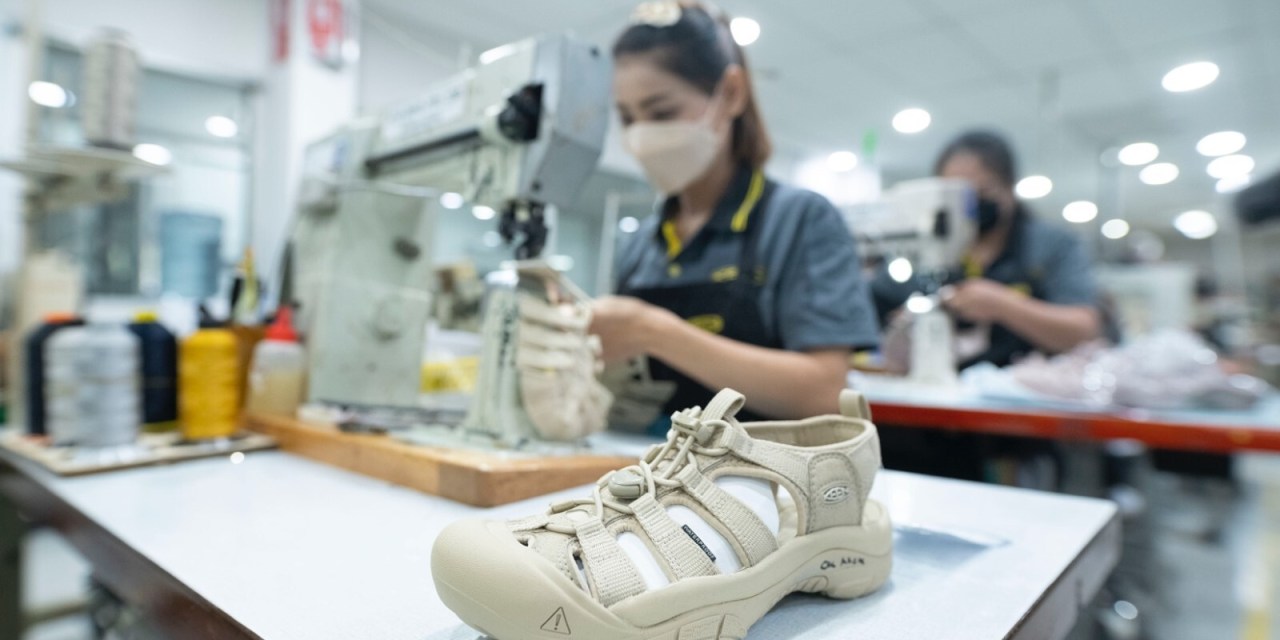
x: 451, y: 200
x: 221, y: 127
x: 900, y: 270
x: 745, y: 31
x: 1231, y: 166
x: 842, y: 161
x: 48, y: 94
x: 497, y: 53
x: 912, y: 120
x: 1196, y: 225
x: 153, y: 153
x: 1159, y: 173
x: 1221, y: 143
x: 629, y: 224
x: 1033, y: 187
x: 1138, y: 154
x: 482, y: 212
x: 1115, y: 228
x: 1080, y: 211
x: 1190, y: 77
x: 1232, y: 184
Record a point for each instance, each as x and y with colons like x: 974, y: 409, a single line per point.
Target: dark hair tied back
x: 991, y: 149
x: 693, y: 42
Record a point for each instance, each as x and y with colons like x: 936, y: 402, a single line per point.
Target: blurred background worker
x: 740, y: 282
x: 1026, y: 286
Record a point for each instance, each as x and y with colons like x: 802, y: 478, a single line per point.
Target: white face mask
x: 675, y: 153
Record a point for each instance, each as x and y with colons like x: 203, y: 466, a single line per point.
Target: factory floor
x: 1212, y: 567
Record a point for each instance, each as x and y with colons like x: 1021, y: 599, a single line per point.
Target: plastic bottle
x: 278, y: 377
x: 209, y: 383
x: 35, y: 361
x: 159, y: 373
x: 91, y: 384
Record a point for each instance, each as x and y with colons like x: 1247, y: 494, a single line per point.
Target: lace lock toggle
x: 626, y: 485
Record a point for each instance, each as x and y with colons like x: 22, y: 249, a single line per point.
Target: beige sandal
x: 697, y: 541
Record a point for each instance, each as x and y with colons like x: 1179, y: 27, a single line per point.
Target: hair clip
x: 657, y: 13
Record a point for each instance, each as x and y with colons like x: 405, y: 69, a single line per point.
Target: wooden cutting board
x: 480, y: 478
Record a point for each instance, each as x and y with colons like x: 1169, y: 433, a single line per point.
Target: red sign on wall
x: 327, y: 27
x: 280, y: 30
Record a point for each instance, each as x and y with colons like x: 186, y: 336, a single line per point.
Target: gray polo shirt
x: 813, y: 295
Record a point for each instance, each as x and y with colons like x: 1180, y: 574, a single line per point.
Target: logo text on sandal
x: 835, y: 495
x: 846, y: 561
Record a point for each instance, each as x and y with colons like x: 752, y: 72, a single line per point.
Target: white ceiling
x: 1066, y: 79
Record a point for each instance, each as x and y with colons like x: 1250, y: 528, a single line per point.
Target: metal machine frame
x: 519, y: 133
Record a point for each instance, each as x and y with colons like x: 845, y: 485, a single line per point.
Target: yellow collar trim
x: 738, y: 224
x: 749, y: 203
x: 674, y: 245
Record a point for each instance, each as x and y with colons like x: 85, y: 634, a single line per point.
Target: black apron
x: 1026, y: 273
x: 730, y: 309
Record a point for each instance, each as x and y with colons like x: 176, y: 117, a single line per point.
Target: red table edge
x: 1079, y: 426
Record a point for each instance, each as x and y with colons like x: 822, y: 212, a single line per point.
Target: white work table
x: 281, y: 548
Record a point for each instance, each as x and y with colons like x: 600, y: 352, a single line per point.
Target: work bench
x: 278, y: 547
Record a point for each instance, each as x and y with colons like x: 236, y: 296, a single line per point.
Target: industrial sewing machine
x: 922, y: 229
x: 520, y: 133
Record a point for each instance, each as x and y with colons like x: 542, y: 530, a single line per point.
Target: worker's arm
x: 1052, y: 328
x: 786, y: 384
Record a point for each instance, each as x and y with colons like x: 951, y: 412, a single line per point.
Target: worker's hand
x: 626, y: 326
x: 980, y: 300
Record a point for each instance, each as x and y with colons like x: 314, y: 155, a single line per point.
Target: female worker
x: 739, y: 281
x: 1029, y: 282
x: 1027, y: 286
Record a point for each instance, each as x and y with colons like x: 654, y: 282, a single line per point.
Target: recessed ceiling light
x: 1190, y: 77
x: 482, y: 212
x: 451, y: 200
x: 745, y: 31
x: 1115, y: 229
x: 1159, y: 173
x: 1196, y: 225
x: 842, y: 161
x: 47, y: 94
x: 221, y: 127
x: 1232, y: 184
x: 153, y: 153
x: 900, y: 270
x: 1231, y: 166
x: 1080, y: 211
x: 629, y: 224
x: 1033, y: 187
x: 913, y: 120
x: 497, y: 53
x: 1221, y: 143
x: 1138, y: 154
